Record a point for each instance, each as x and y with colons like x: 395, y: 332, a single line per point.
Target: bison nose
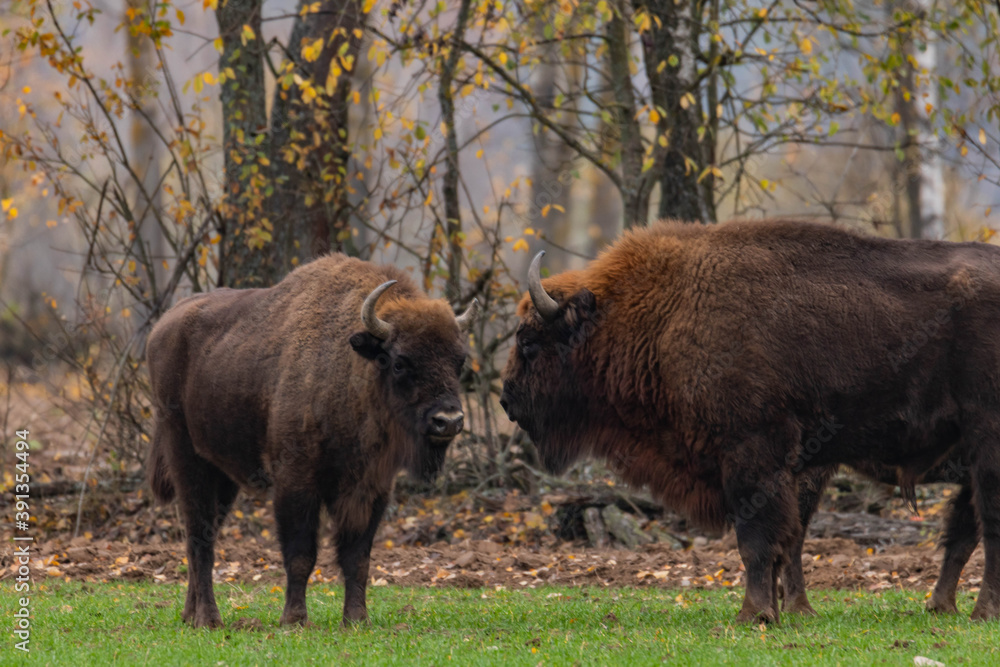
x: 447, y: 424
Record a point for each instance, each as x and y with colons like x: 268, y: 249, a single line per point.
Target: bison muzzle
x: 284, y: 389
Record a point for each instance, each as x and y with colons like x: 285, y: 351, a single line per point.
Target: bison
x: 720, y: 364
x: 286, y: 388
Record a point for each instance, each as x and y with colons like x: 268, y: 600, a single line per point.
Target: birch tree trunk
x: 925, y: 182
x: 147, y: 153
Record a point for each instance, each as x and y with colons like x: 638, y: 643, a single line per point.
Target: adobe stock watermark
x: 22, y: 542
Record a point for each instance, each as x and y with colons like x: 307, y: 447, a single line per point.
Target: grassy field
x: 81, y: 624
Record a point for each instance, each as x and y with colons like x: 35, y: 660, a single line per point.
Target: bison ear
x: 367, y: 345
x: 580, y: 309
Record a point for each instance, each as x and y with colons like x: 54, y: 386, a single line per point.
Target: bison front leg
x: 961, y: 538
x: 297, y: 514
x: 354, y: 548
x: 810, y: 489
x: 762, y: 505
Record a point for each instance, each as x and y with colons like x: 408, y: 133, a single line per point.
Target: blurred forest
x: 154, y: 148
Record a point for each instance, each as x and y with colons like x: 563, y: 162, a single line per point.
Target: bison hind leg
x: 960, y: 540
x: 206, y: 496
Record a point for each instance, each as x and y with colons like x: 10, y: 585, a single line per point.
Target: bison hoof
x: 356, y: 619
x: 768, y: 616
x: 799, y: 605
x: 985, y: 612
x: 208, y: 619
x: 294, y: 617
x: 941, y: 606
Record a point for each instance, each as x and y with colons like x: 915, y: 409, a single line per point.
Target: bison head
x: 543, y: 382
x: 419, y: 352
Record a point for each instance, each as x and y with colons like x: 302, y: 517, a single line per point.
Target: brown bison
x: 960, y: 538
x: 287, y: 387
x: 718, y: 364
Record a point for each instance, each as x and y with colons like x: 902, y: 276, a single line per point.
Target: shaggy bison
x: 288, y: 388
x: 719, y: 364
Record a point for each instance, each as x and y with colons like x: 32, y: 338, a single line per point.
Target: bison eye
x: 399, y: 367
x: 530, y: 349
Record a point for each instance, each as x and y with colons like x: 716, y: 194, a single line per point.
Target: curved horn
x: 544, y: 304
x: 466, y: 319
x: 376, y: 327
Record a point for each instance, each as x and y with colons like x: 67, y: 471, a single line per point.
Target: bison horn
x: 544, y: 304
x: 376, y: 327
x: 466, y: 319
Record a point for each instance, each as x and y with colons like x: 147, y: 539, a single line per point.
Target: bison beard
x: 284, y: 388
x: 727, y: 366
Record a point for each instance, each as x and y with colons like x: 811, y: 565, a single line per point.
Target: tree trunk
x: 925, y: 189
x: 244, y: 135
x: 635, y: 193
x: 449, y: 183
x: 150, y: 244
x: 669, y: 52
x: 309, y: 151
x: 551, y: 176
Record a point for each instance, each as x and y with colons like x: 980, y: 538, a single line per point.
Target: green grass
x: 81, y: 624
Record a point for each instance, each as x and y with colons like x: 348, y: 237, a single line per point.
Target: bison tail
x: 158, y: 475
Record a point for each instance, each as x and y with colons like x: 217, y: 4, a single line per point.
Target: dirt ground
x: 863, y: 539
x: 501, y: 557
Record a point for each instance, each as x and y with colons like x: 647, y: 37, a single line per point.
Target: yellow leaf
x: 217, y: 43
x: 5, y: 203
x: 895, y: 118
x: 248, y: 34
x: 210, y: 4
x: 357, y: 97
x: 545, y: 210
x: 180, y: 16
x: 12, y: 213
x: 502, y: 57
x: 26, y: 90
x: 964, y: 150
x: 521, y: 244
x: 806, y: 46
x: 479, y: 153
x: 654, y: 116
x: 209, y: 78
x: 368, y: 6
x: 982, y: 136
x: 126, y: 312
x: 312, y: 50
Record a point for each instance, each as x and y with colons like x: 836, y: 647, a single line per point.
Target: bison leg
x: 763, y: 506
x: 297, y: 515
x: 986, y: 476
x: 960, y: 540
x: 206, y: 497
x: 354, y: 548
x: 793, y: 579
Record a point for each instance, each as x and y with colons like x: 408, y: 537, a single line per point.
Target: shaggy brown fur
x: 285, y: 388
x: 717, y: 364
